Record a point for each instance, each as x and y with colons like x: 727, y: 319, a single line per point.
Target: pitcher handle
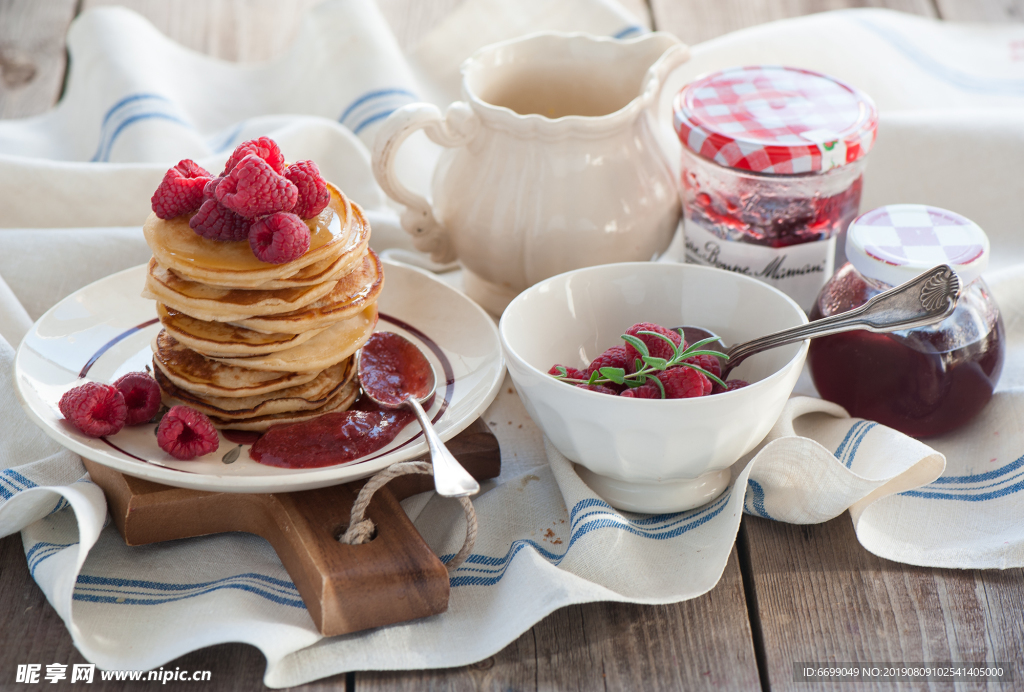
x: 654, y: 80
x: 455, y: 128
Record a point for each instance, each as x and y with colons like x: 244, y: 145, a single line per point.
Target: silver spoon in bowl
x: 394, y: 373
x: 926, y: 299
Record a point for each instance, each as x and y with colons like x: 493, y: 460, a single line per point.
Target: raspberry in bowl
x: 640, y: 454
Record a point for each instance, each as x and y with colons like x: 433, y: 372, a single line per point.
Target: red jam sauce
x: 392, y: 369
x: 333, y: 438
x: 760, y: 213
x: 922, y: 382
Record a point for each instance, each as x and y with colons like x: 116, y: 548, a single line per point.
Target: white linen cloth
x: 75, y: 184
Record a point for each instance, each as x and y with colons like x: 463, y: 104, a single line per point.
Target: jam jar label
x: 799, y: 270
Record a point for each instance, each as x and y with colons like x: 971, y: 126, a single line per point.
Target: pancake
x: 338, y: 341
x: 340, y: 402
x: 232, y: 264
x: 303, y: 397
x: 353, y: 293
x: 224, y: 339
x: 190, y: 370
x: 216, y: 304
x: 330, y: 269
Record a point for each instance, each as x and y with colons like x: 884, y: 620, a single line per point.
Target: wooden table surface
x: 789, y: 593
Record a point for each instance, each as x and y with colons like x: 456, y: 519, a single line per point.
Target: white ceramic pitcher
x: 553, y: 161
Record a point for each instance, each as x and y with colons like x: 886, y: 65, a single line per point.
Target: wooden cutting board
x: 393, y: 578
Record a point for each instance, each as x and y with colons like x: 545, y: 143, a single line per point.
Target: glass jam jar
x: 924, y: 381
x: 771, y: 172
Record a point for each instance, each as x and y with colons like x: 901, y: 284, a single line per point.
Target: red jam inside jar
x: 925, y: 381
x: 772, y: 169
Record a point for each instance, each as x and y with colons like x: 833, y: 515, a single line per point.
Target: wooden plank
x: 248, y: 31
x: 821, y: 597
x: 697, y: 20
x: 32, y: 57
x: 696, y: 645
x: 981, y: 10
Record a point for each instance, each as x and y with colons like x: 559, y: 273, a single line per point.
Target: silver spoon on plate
x: 927, y: 299
x: 394, y: 373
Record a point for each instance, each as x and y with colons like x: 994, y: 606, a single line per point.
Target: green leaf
x: 562, y: 372
x: 702, y: 342
x: 636, y: 381
x: 594, y: 377
x: 616, y: 375
x: 661, y: 387
x: 636, y: 343
x: 656, y: 363
x: 662, y: 337
x: 717, y: 354
x: 705, y: 372
x: 638, y: 365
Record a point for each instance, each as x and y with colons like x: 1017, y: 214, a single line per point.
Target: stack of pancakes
x: 252, y: 344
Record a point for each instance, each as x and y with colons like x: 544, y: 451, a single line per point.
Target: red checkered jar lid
x: 777, y: 120
x: 896, y: 243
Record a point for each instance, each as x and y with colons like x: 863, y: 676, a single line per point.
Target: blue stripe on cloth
x: 41, y: 551
x: 975, y: 488
x: 127, y: 100
x: 629, y: 31
x: 371, y: 95
x: 757, y: 502
x: 592, y: 522
x: 12, y: 483
x: 987, y: 476
x: 1010, y: 483
x: 663, y: 521
x: 372, y: 119
x: 961, y: 80
x: 226, y: 142
x: 856, y: 443
x: 62, y: 504
x: 841, y: 449
x: 103, y: 153
x: 107, y: 590
x: 669, y: 520
x: 965, y: 496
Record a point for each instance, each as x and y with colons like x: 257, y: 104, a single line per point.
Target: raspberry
x: 95, y: 409
x: 644, y: 391
x: 210, y: 189
x: 572, y: 373
x: 600, y: 389
x: 181, y: 190
x: 683, y: 383
x: 279, y: 238
x: 185, y: 433
x: 141, y: 397
x: 709, y: 363
x: 313, y: 192
x: 659, y: 348
x: 253, y: 189
x: 731, y: 385
x: 614, y: 357
x: 264, y: 147
x: 216, y: 222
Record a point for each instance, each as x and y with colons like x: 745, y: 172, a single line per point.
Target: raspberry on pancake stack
x: 265, y: 287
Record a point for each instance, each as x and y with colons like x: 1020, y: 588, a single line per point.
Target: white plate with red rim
x: 104, y: 331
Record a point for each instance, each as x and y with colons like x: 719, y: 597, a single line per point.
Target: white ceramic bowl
x: 648, y: 455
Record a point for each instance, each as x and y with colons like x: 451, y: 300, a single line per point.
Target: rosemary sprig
x: 647, y: 365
